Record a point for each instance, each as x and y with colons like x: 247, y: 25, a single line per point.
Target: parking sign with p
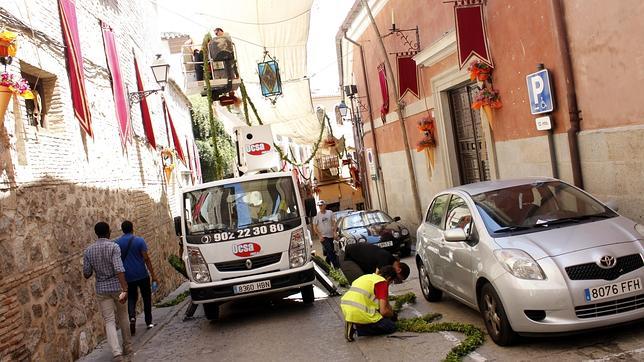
x: 540, y: 92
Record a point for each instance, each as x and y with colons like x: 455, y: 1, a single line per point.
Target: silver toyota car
x: 533, y: 256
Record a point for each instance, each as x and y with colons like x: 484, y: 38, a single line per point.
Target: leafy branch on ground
x: 335, y: 274
x: 178, y: 265
x: 178, y: 299
x: 474, y: 336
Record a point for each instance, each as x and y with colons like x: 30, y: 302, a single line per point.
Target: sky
x: 326, y: 17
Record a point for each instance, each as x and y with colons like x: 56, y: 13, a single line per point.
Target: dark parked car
x: 374, y: 227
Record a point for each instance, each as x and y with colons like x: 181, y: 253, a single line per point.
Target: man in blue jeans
x: 324, y: 228
x: 134, y: 253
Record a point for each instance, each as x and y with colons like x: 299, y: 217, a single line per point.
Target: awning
x: 120, y: 99
x: 145, y: 111
x: 281, y: 28
x: 74, y: 59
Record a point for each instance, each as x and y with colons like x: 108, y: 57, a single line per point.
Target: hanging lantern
x: 269, y: 78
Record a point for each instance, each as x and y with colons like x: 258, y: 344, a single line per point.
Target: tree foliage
x: 216, y: 150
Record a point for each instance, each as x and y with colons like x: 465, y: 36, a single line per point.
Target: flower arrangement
x: 427, y: 143
x: 487, y: 97
x: 8, y: 44
x: 16, y: 85
x: 479, y: 71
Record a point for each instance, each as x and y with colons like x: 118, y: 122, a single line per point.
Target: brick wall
x: 56, y: 182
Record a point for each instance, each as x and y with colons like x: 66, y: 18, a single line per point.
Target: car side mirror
x: 397, y: 218
x: 177, y: 225
x: 612, y: 204
x: 455, y: 235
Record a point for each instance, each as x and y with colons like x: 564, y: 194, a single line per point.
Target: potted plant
x: 12, y: 85
x: 487, y: 99
x: 479, y: 71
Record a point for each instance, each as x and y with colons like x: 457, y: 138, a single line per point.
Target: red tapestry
x: 384, y: 90
x: 407, y: 76
x: 173, y: 131
x: 120, y: 98
x: 74, y: 57
x: 471, y: 37
x: 145, y: 111
x: 190, y: 165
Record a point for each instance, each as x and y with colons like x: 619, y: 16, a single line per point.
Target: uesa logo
x: 245, y: 250
x: 258, y: 149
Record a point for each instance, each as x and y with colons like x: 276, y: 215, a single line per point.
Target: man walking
x: 134, y: 253
x: 324, y: 228
x: 103, y: 259
x: 364, y: 258
x: 366, y: 307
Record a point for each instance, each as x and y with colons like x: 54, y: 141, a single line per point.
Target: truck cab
x: 245, y: 236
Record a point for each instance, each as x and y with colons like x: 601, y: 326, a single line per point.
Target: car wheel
x: 307, y: 294
x: 496, y: 321
x: 212, y: 311
x: 429, y: 291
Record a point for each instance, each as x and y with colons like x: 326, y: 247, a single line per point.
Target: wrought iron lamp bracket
x: 137, y: 97
x: 412, y: 46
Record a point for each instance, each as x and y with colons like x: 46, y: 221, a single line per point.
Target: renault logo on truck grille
x: 249, y: 264
x: 607, y: 261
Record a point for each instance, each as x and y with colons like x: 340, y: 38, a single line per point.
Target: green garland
x: 178, y: 299
x: 400, y: 300
x: 335, y: 274
x: 219, y: 170
x: 178, y: 265
x: 246, y: 99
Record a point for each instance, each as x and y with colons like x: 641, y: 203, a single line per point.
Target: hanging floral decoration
x: 427, y: 143
x: 479, y: 71
x: 168, y: 159
x: 8, y: 44
x: 487, y: 98
x: 10, y: 84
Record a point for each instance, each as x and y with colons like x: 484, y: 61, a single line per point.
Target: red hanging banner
x: 407, y: 76
x: 471, y: 37
x: 197, y: 162
x: 120, y: 99
x: 384, y: 90
x: 173, y: 131
x: 145, y: 111
x: 74, y: 57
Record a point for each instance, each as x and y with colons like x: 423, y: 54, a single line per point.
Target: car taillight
x: 198, y: 266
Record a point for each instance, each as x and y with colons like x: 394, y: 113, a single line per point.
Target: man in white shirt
x: 324, y: 228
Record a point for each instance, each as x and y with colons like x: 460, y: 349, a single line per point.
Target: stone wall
x: 56, y: 182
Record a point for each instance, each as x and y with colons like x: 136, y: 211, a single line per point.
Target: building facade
x: 57, y: 180
x: 592, y: 52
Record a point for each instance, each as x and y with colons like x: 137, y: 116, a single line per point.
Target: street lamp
x: 343, y: 108
x: 160, y: 72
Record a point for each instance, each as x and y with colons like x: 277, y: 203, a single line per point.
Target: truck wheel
x: 212, y: 311
x: 307, y: 294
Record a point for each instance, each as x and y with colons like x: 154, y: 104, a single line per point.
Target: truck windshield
x: 240, y: 205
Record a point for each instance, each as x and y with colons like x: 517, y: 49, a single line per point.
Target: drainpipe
x: 571, y: 94
x: 379, y: 182
x: 391, y: 80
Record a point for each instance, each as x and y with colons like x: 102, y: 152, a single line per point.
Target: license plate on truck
x: 613, y: 289
x: 251, y: 287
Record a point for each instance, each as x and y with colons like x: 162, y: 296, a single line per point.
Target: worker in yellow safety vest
x: 366, y: 305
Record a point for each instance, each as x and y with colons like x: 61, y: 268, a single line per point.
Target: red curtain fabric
x: 145, y: 111
x: 384, y: 90
x: 74, y: 57
x: 120, y: 98
x: 190, y: 165
x: 407, y: 75
x: 173, y: 131
x: 471, y: 38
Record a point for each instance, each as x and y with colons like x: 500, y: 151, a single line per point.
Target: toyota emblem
x: 249, y: 264
x: 607, y: 262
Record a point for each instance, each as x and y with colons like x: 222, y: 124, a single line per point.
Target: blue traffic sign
x: 540, y: 92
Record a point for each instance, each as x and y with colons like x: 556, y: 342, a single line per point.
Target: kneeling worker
x: 363, y: 258
x: 366, y: 305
